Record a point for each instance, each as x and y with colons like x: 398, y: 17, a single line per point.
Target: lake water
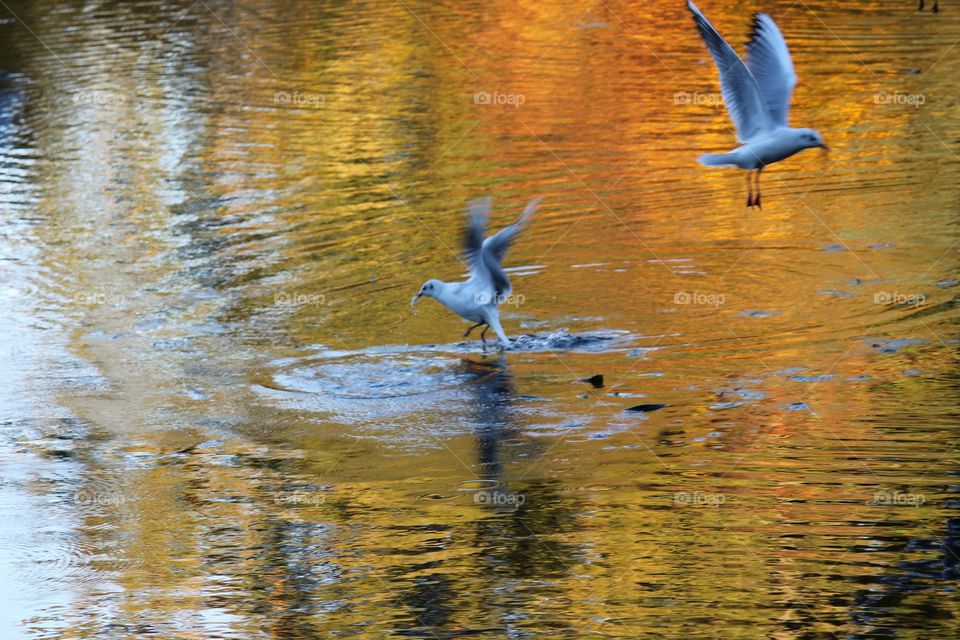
x: 220, y: 419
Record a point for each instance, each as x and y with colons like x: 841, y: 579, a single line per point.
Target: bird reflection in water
x: 494, y: 388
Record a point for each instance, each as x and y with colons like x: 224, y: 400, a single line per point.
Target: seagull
x: 757, y: 95
x: 476, y: 298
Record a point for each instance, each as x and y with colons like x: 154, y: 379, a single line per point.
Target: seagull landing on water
x: 476, y: 299
x: 757, y: 95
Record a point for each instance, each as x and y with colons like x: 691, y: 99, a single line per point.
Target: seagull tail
x: 718, y: 159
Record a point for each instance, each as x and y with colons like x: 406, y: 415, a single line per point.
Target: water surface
x: 219, y: 419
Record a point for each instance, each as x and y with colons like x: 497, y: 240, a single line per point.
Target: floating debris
x: 645, y: 408
x: 595, y: 381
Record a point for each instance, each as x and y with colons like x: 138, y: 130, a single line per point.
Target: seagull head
x: 810, y: 138
x: 430, y: 289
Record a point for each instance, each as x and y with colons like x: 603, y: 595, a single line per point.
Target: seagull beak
x: 413, y: 300
x: 826, y: 149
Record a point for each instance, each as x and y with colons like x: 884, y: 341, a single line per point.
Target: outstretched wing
x: 741, y: 92
x: 478, y: 211
x: 769, y: 60
x: 495, y: 248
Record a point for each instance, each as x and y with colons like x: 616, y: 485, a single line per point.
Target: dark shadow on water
x: 914, y: 592
x: 515, y: 538
x: 518, y: 540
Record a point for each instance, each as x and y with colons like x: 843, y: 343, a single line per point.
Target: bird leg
x: 935, y: 8
x: 756, y: 198
x: 920, y: 6
x: 467, y: 332
x: 483, y: 338
x: 749, y: 190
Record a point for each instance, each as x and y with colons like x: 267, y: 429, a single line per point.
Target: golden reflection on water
x: 226, y: 423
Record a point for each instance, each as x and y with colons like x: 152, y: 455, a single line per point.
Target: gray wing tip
x: 529, y: 210
x: 756, y: 28
x: 711, y: 37
x: 758, y: 24
x: 478, y: 212
x: 480, y: 206
x: 695, y: 10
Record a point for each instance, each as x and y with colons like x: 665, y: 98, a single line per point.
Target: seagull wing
x: 478, y: 211
x: 495, y: 248
x: 741, y: 93
x: 769, y: 60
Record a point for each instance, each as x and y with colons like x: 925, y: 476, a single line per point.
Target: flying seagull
x: 757, y: 95
x: 476, y: 299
